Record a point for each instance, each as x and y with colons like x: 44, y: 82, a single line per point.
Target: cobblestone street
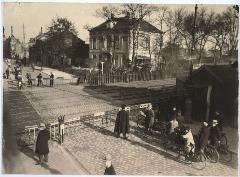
x: 139, y: 155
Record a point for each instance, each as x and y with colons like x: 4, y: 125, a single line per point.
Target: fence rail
x: 99, y: 119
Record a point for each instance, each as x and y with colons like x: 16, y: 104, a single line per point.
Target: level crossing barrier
x: 102, y: 119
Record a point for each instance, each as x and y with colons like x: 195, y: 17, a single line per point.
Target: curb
x: 76, y: 160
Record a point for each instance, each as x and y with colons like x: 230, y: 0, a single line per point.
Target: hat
x: 205, y: 124
x: 42, y: 125
x: 214, y: 121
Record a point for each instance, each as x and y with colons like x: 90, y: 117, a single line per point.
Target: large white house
x: 120, y: 40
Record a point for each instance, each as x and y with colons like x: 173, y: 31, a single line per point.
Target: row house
x: 13, y: 48
x: 114, y: 42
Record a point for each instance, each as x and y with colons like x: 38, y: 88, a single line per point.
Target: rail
x: 98, y: 119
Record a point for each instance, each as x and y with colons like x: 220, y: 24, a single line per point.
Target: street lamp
x: 42, y: 39
x: 102, y: 66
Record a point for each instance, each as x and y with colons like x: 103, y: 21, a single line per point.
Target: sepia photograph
x: 120, y: 89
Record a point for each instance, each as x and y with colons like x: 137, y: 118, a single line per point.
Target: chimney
x: 41, y: 29
x: 11, y: 31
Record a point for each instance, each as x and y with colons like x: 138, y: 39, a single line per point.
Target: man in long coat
x: 203, y: 136
x: 122, y: 123
x: 42, y: 149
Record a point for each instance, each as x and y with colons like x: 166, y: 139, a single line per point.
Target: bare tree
x: 136, y: 14
x: 106, y: 12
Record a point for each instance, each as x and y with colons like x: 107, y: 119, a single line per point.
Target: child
x: 109, y: 170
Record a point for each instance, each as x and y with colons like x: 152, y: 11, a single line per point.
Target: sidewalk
x: 60, y: 162
x: 231, y: 133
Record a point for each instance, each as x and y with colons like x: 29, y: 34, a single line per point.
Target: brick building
x: 120, y: 40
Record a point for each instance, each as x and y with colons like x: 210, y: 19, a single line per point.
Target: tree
x: 61, y: 24
x: 225, y: 33
x: 136, y: 14
x: 106, y: 12
x: 58, y: 35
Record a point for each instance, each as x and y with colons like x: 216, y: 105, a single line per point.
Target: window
x: 116, y: 61
x: 116, y: 40
x: 144, y: 43
x: 94, y: 43
x: 125, y: 43
x: 109, y: 42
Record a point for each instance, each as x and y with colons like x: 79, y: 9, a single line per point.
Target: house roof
x: 124, y: 23
x: 223, y: 74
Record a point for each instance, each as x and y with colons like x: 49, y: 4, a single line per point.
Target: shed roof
x: 222, y: 74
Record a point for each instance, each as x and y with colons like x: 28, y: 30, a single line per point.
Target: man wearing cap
x: 42, y: 144
x: 122, y: 122
x: 214, y: 133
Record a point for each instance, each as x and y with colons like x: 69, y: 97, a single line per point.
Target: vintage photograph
x: 120, y: 89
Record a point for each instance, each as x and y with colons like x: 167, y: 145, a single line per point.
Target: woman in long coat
x: 122, y: 122
x: 42, y: 144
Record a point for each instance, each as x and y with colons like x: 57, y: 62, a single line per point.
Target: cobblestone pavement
x: 69, y: 100
x: 139, y: 155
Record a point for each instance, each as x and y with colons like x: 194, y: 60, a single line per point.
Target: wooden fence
x: 99, y: 79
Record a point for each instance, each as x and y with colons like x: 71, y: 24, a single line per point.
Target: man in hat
x: 51, y: 79
x: 218, y: 117
x: 109, y: 170
x: 122, y: 122
x: 39, y: 78
x: 149, y: 118
x: 42, y: 144
x: 214, y: 133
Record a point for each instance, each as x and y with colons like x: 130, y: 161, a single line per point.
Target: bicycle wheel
x: 225, y: 154
x: 211, y: 153
x: 223, y: 140
x: 198, y: 161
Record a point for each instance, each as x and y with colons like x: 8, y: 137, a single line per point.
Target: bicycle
x: 195, y: 157
x: 209, y: 151
x: 223, y: 150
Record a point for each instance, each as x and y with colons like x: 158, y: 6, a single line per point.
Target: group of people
x: 209, y: 132
x: 40, y: 79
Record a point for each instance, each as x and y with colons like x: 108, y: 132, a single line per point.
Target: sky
x: 34, y: 15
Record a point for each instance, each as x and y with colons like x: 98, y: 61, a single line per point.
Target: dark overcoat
x: 110, y: 171
x: 122, y: 122
x: 42, y: 142
x: 203, y: 137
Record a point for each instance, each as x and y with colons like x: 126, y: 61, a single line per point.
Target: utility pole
x: 193, y: 42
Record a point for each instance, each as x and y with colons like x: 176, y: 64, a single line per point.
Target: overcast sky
x: 35, y: 15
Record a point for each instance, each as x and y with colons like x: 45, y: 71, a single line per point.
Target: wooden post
x: 209, y: 91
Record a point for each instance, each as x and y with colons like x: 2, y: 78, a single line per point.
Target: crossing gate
x: 96, y: 120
